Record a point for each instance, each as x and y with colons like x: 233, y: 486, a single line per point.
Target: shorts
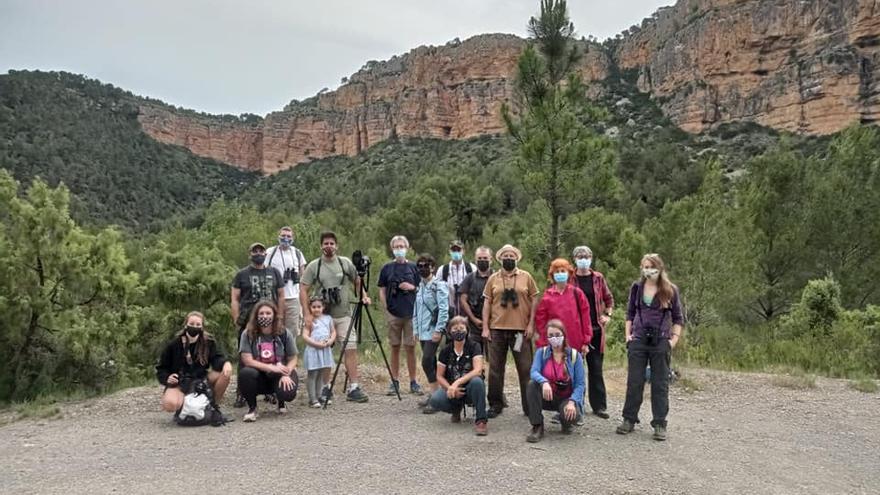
x: 293, y: 316
x: 400, y: 330
x: 342, y: 325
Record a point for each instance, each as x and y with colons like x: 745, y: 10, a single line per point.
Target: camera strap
x: 341, y: 269
x: 639, y: 294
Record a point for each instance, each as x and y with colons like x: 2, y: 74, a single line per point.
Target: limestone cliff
x: 809, y: 66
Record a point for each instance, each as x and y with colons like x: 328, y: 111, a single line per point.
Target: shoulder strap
x: 318, y: 274
x: 445, y: 275
x: 275, y: 250
x: 468, y: 268
x: 577, y: 305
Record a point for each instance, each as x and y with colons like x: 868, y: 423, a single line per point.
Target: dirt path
x: 739, y: 434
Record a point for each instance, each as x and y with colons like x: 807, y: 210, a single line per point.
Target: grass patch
x: 866, y: 385
x: 798, y: 381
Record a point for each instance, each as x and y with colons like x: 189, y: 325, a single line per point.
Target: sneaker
x: 326, y: 396
x: 602, y: 414
x: 566, y: 428
x: 393, y: 387
x: 428, y: 409
x: 481, y: 428
x: 536, y: 435
x: 270, y: 398
x: 250, y: 417
x: 660, y: 433
x: 316, y: 405
x: 356, y: 395
x: 495, y: 412
x: 424, y: 403
x: 239, y: 401
x: 456, y: 416
x: 415, y: 388
x: 282, y: 409
x: 625, y: 427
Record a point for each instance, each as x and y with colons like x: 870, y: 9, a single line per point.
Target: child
x: 319, y: 338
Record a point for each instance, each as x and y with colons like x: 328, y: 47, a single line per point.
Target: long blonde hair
x: 665, y: 287
x: 201, y: 343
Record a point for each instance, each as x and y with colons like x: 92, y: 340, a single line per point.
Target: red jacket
x: 572, y: 308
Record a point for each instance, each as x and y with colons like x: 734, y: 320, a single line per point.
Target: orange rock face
x: 808, y: 66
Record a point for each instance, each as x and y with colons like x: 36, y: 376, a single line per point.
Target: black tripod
x: 357, y: 323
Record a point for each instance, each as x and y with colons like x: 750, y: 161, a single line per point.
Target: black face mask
x: 483, y: 265
x: 193, y: 331
x: 508, y: 264
x: 459, y: 336
x: 258, y: 259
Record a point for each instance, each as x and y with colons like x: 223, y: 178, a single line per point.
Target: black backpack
x: 444, y: 274
x: 199, y: 408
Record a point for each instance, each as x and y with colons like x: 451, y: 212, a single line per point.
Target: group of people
x: 465, y: 317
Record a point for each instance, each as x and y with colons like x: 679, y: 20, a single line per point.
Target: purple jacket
x: 642, y: 315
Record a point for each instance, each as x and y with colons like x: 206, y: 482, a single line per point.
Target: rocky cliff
x: 808, y: 66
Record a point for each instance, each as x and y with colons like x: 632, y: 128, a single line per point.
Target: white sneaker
x: 282, y: 410
x: 316, y: 405
x: 250, y: 417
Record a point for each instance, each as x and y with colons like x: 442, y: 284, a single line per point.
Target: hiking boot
x: 567, y: 428
x: 393, y: 387
x: 239, y: 401
x: 601, y: 413
x: 456, y: 416
x: 251, y: 416
x: 625, y: 427
x: 415, y: 388
x: 536, y: 435
x: 357, y: 395
x: 495, y: 412
x: 659, y: 433
x: 481, y: 428
x: 428, y: 409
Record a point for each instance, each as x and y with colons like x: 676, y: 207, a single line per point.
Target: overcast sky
x: 225, y: 56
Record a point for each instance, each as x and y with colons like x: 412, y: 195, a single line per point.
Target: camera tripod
x: 357, y: 324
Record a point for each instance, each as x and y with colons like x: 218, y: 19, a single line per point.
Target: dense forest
x: 107, y: 238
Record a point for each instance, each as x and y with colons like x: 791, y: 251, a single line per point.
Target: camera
x: 331, y: 297
x: 361, y: 262
x: 562, y: 384
x: 509, y: 296
x: 290, y: 275
x: 651, y: 334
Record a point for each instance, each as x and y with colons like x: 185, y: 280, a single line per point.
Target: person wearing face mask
x: 654, y: 323
x: 454, y: 273
x: 332, y: 278
x: 601, y: 306
x: 191, y: 356
x: 557, y: 383
x: 510, y: 300
x: 268, y: 355
x: 470, y: 298
x: 398, y: 283
x: 566, y: 302
x: 290, y: 262
x: 252, y: 284
x: 460, y: 377
x: 430, y: 315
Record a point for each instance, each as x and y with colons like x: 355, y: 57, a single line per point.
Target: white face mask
x: 556, y: 342
x: 650, y: 273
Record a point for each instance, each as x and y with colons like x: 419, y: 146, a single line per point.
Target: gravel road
x: 739, y: 434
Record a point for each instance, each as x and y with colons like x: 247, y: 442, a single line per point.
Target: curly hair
x: 558, y: 264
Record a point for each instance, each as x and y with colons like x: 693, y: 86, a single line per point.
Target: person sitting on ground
x: 268, y: 360
x: 460, y: 377
x: 430, y: 314
x: 191, y: 356
x: 319, y: 337
x: 557, y: 383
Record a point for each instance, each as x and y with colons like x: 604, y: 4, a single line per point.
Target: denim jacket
x: 432, y: 300
x: 574, y: 364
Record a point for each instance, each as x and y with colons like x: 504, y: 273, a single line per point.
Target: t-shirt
x: 400, y: 303
x: 585, y: 282
x: 281, y: 260
x: 255, y: 284
x: 456, y: 275
x: 333, y: 274
x: 269, y: 349
x: 557, y: 376
x: 473, y: 285
x: 458, y: 365
x: 510, y: 317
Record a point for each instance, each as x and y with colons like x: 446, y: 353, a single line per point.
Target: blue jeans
x: 474, y: 394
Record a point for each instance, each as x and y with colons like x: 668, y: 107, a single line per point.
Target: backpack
x: 445, y: 272
x: 198, y: 408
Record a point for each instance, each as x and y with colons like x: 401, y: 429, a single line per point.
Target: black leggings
x: 429, y: 359
x: 252, y: 382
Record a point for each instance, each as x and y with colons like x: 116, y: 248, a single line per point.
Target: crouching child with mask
x: 460, y: 377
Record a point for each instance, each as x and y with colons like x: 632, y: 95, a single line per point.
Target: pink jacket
x: 572, y: 308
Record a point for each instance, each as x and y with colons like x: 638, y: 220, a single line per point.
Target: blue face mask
x: 399, y: 253
x: 583, y: 263
x: 284, y: 241
x: 560, y: 277
x: 455, y: 255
